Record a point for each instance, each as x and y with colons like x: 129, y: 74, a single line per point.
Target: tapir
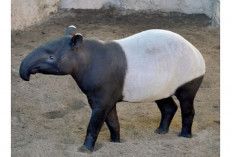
x: 151, y: 66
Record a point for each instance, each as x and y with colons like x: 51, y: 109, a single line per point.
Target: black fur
x: 185, y: 94
x: 113, y: 125
x: 101, y: 75
x: 168, y: 109
x: 99, y: 69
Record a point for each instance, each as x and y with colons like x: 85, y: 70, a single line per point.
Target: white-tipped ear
x: 71, y: 30
x: 77, y: 40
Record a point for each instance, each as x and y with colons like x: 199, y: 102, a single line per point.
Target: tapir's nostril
x: 51, y: 57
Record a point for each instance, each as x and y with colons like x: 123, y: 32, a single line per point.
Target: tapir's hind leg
x: 113, y: 125
x: 168, y: 109
x: 186, y: 94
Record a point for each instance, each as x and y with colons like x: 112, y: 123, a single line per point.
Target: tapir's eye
x: 51, y: 57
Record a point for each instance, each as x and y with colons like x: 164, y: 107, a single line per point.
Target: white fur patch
x: 72, y: 26
x: 159, y: 62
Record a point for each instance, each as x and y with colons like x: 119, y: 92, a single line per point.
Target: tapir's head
x: 56, y: 57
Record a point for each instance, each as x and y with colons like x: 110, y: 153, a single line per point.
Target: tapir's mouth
x: 34, y: 70
x: 25, y: 73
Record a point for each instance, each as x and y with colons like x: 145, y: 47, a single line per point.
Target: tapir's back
x: 158, y: 62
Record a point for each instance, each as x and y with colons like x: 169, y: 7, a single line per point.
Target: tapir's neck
x: 81, y: 63
x: 85, y: 59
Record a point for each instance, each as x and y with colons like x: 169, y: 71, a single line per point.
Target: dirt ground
x: 50, y: 114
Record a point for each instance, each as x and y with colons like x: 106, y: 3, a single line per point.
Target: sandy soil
x: 50, y: 114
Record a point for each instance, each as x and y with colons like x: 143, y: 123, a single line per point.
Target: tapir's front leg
x: 100, y: 109
x: 96, y: 121
x: 113, y: 125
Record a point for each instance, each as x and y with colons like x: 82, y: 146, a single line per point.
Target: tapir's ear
x: 77, y: 40
x: 71, y: 30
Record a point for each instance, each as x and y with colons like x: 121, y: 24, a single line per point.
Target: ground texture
x: 50, y: 114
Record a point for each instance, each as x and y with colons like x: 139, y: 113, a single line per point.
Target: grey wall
x: 184, y: 6
x: 209, y: 7
x: 28, y: 12
x: 216, y: 12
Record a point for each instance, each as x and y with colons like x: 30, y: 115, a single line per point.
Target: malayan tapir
x: 153, y: 65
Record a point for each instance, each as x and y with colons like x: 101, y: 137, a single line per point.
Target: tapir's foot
x: 161, y: 130
x: 184, y: 134
x: 84, y: 149
x: 115, y: 140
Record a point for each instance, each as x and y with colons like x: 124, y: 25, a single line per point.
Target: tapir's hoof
x: 161, y: 130
x: 115, y: 140
x: 84, y: 149
x: 187, y: 135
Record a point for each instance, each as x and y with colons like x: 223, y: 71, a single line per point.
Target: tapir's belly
x: 158, y: 62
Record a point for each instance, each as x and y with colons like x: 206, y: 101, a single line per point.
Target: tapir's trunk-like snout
x: 27, y: 66
x: 24, y: 71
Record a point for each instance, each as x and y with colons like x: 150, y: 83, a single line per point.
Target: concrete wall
x: 208, y: 7
x: 216, y: 13
x: 84, y: 4
x: 28, y: 12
